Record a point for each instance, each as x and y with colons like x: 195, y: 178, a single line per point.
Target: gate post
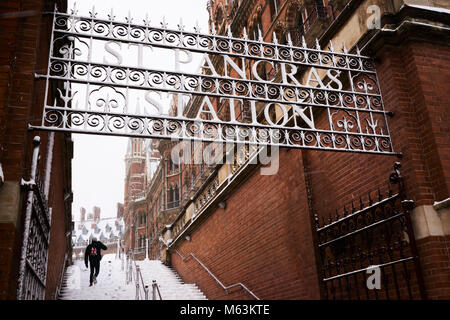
x: 408, y: 206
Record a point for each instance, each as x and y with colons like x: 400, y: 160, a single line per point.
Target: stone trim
x: 10, y: 202
x: 428, y: 221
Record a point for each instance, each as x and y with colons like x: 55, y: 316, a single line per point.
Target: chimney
x: 82, y: 214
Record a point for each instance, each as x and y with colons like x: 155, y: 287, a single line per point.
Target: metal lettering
x: 278, y: 111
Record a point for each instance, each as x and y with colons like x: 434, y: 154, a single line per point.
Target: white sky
x: 98, y: 166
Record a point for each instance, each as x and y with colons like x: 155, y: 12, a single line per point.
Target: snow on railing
x: 155, y: 289
x: 129, y: 269
x: 140, y: 284
x: 141, y: 288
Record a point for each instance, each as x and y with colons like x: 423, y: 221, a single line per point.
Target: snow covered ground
x: 111, y: 282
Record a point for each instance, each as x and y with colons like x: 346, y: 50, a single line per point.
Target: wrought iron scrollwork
x: 100, y: 97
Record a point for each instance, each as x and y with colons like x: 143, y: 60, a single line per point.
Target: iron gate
x: 374, y: 240
x: 36, y: 235
x: 114, y: 98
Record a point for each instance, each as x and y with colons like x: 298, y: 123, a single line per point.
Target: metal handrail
x: 140, y: 279
x: 155, y: 288
x: 226, y: 288
x: 129, y: 269
x: 63, y: 270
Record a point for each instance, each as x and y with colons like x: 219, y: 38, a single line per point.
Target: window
x: 143, y: 220
x: 320, y: 8
x: 173, y: 166
x: 254, y: 34
x: 173, y: 196
x: 274, y: 7
x: 137, y: 147
x: 141, y: 241
x: 169, y: 195
x: 300, y: 23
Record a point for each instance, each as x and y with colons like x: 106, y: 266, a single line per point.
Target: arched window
x: 176, y: 195
x: 169, y: 195
x: 219, y: 18
x: 173, y: 195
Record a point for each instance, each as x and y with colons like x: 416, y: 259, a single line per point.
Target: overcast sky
x: 98, y: 166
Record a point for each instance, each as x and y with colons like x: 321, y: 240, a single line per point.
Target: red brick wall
x: 8, y: 25
x: 435, y: 257
x: 418, y: 130
x: 58, y: 239
x: 262, y: 239
x: 422, y: 70
x: 7, y: 235
x: 24, y: 43
x: 411, y: 77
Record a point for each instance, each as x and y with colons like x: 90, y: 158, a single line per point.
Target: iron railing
x: 139, y: 280
x: 377, y: 238
x: 142, y: 289
x: 155, y: 290
x: 226, y: 288
x: 139, y: 250
x: 173, y: 204
x: 63, y: 270
x: 36, y: 236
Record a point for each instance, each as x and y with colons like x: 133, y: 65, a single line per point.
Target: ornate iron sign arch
x: 335, y: 103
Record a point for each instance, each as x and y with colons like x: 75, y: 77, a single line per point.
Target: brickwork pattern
x: 24, y: 43
x: 412, y: 79
x: 262, y: 239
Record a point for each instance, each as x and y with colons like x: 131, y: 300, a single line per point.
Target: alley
x: 112, y: 282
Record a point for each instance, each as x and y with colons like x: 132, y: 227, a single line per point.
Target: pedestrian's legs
x: 97, y: 267
x: 92, y: 267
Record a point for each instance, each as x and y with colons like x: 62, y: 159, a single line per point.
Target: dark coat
x: 94, y: 252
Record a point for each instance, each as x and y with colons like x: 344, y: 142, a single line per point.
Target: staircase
x: 170, y: 284
x: 112, y: 284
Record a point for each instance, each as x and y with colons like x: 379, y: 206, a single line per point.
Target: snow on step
x: 111, y: 283
x: 170, y: 284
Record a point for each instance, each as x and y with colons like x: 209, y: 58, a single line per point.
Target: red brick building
x: 24, y: 42
x: 262, y: 235
x: 152, y: 195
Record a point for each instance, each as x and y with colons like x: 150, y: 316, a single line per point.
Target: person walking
x: 93, y: 254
